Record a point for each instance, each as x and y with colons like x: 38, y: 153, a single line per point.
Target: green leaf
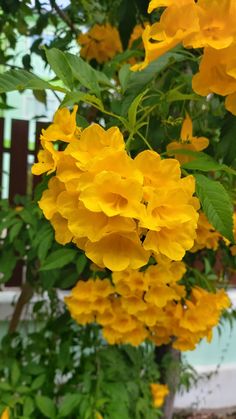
x: 132, y: 112
x: 84, y: 73
x: 139, y: 80
x: 69, y: 403
x: 28, y: 406
x: 124, y: 76
x: 8, y: 261
x: 38, y: 382
x: 81, y: 262
x: 76, y: 97
x: 45, y: 244
x: 227, y: 145
x: 14, y: 231
x: 59, y: 64
x: 5, y: 386
x: 46, y: 406
x: 201, y: 161
x: 15, y: 374
x: 216, y: 205
x: 40, y: 96
x: 58, y: 259
x: 21, y: 79
x: 175, y: 95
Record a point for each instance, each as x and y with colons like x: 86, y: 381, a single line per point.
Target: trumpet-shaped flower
x: 101, y: 42
x: 63, y: 127
x: 187, y: 142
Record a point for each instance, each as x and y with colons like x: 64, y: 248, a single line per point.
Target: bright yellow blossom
x: 101, y: 42
x: 47, y: 159
x: 187, y: 142
x: 216, y: 72
x: 63, y: 127
x: 216, y: 24
x: 159, y: 393
x: 207, y: 236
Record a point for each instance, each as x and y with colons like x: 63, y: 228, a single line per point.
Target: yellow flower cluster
x: 207, y: 236
x: 159, y: 393
x: 101, y: 42
x: 198, y: 24
x: 119, y: 210
x: 187, y: 142
x: 148, y: 305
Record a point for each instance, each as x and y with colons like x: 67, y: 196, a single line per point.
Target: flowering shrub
x: 138, y: 186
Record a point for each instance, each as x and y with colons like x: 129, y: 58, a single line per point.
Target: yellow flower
x: 48, y: 200
x: 207, y: 236
x: 47, y: 159
x: 154, y: 4
x: 160, y: 295
x: 95, y: 143
x: 154, y: 50
x: 118, y: 251
x: 216, y: 73
x: 62, y: 233
x: 159, y: 393
x: 113, y: 195
x: 216, y: 23
x: 5, y: 414
x: 177, y: 22
x: 63, y: 127
x: 187, y: 142
x: 101, y: 42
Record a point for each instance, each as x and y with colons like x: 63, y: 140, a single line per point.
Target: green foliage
x: 72, y: 373
x: 216, y: 205
x: 24, y: 231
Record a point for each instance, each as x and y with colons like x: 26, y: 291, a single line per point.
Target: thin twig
x: 64, y: 16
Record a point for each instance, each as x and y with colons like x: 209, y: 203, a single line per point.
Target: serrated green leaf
x: 69, y: 403
x: 46, y: 406
x: 204, y: 163
x: 216, y: 204
x: 21, y: 79
x: 59, y: 64
x: 58, y: 259
x: 84, y: 73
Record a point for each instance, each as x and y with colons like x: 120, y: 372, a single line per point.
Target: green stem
x: 144, y: 140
